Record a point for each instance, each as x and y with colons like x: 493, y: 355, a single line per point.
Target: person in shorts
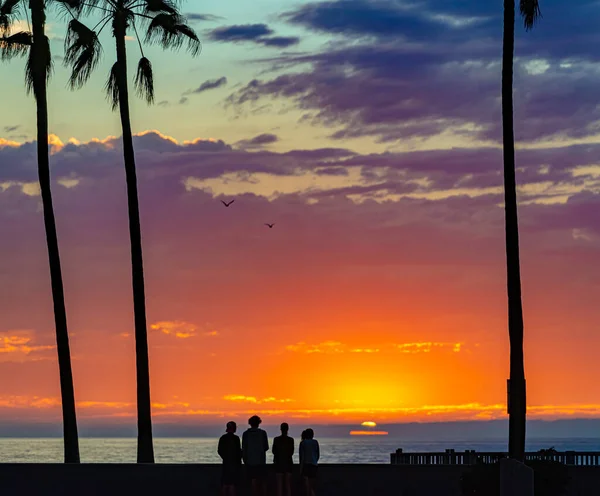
x: 309, y: 459
x: 283, y: 452
x: 230, y: 451
x: 255, y: 445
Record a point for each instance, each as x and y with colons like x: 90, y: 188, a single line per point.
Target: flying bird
x: 270, y: 225
x: 227, y: 204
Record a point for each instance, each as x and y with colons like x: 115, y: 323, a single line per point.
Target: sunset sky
x: 368, y: 132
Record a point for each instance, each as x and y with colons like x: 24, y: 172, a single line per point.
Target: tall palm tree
x: 35, y: 45
x: 166, y: 27
x: 517, y: 397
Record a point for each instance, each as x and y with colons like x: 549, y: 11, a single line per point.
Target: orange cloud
x: 275, y: 408
x: 55, y: 143
x: 179, y: 329
x: 176, y: 328
x: 18, y: 345
x: 104, y: 404
x: 8, y: 143
x: 338, y: 347
x: 28, y: 402
x: 426, y: 347
x: 324, y: 347
x: 427, y: 413
x: 253, y: 399
x: 158, y: 133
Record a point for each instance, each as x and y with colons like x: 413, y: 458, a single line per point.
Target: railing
x: 471, y: 457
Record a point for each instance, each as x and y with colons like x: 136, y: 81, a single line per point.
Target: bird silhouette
x: 270, y: 225
x: 227, y: 204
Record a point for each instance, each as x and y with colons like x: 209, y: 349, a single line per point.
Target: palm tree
x: 517, y: 397
x: 166, y: 27
x: 36, y: 46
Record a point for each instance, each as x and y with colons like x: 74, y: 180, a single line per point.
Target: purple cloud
x: 240, y: 32
x: 440, y: 75
x: 194, y: 16
x: 279, y: 41
x: 210, y: 84
x: 256, y: 33
x: 259, y: 141
x: 543, y: 174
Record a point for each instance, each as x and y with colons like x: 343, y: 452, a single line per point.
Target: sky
x: 369, y: 133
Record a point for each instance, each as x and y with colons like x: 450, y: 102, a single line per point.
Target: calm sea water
x: 203, y: 450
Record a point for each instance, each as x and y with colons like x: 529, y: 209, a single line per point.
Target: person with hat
x: 255, y: 444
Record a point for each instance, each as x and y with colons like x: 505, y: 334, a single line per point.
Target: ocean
x: 372, y: 449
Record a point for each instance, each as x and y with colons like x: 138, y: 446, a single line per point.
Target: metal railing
x: 471, y: 457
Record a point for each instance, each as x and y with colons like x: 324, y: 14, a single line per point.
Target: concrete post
x: 516, y: 478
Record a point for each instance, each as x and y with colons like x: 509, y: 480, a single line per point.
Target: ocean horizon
x: 350, y: 449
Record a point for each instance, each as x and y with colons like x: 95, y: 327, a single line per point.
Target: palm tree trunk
x: 145, y: 451
x: 41, y: 58
x: 517, y: 390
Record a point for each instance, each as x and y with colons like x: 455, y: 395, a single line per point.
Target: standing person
x: 230, y: 452
x: 283, y: 451
x: 255, y: 445
x: 309, y: 459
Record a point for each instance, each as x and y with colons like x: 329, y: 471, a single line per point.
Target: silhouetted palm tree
x: 165, y: 26
x: 517, y: 397
x: 35, y: 45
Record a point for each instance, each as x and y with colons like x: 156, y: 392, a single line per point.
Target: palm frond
x: 70, y: 8
x: 144, y: 81
x: 8, y: 11
x: 112, y: 86
x: 82, y: 52
x: 169, y: 31
x: 158, y: 6
x: 16, y: 45
x: 530, y: 12
x: 39, y: 60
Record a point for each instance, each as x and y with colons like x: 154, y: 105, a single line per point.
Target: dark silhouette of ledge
x: 160, y: 479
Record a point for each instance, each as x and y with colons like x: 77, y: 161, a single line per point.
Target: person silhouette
x: 310, y: 453
x: 255, y: 445
x: 230, y: 451
x: 283, y: 452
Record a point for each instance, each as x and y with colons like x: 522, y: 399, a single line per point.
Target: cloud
x: 258, y: 141
x: 334, y: 347
x: 279, y: 41
x: 194, y: 16
x: 177, y: 328
x: 11, y: 129
x: 418, y: 73
x: 210, y: 84
x: 253, y: 399
x: 278, y: 408
x: 20, y: 345
x: 112, y: 405
x: 240, y: 32
x: 181, y: 329
x: 427, y: 347
x: 6, y: 143
x: 29, y: 402
x: 164, y: 103
x: 257, y: 33
x: 183, y: 100
x: 378, y: 19
x: 414, y: 253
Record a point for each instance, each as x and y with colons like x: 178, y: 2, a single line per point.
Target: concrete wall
x: 163, y: 480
